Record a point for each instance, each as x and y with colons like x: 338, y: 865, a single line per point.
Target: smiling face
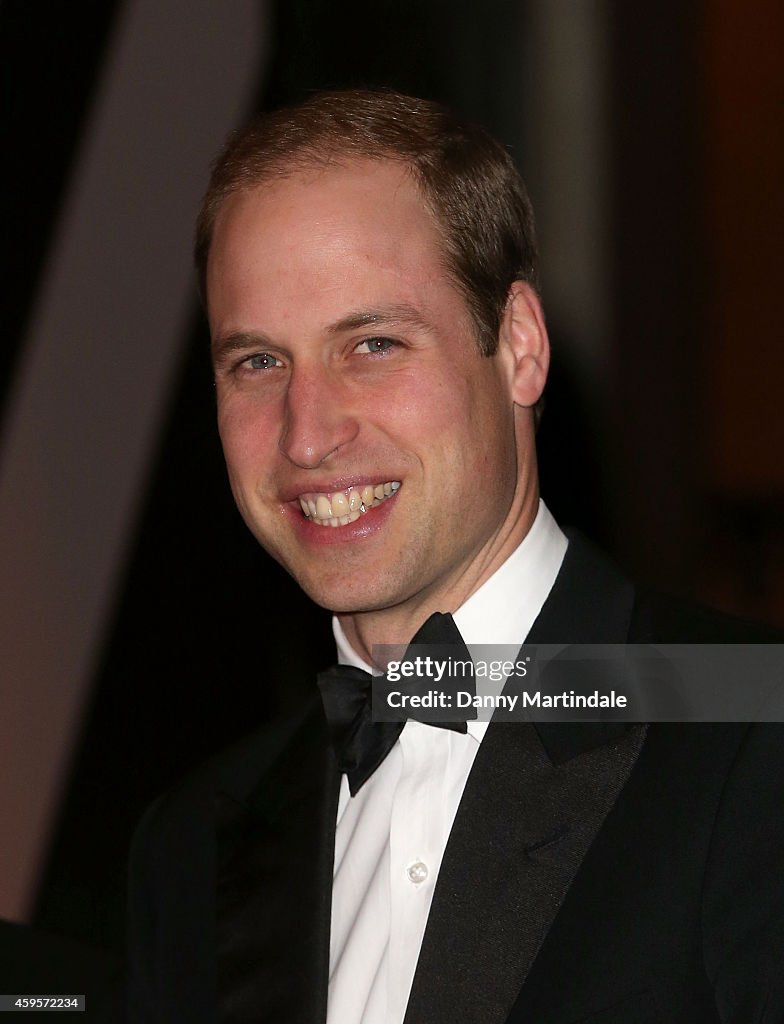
x: 371, y: 449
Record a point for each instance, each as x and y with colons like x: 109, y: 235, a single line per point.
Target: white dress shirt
x: 391, y: 836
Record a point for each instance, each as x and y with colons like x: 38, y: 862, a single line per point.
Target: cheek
x: 245, y: 424
x: 248, y: 435
x: 429, y: 403
x: 493, y: 448
x: 467, y: 419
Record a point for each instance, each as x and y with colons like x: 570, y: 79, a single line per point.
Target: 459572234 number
x: 31, y: 1002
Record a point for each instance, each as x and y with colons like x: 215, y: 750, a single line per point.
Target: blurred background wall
x: 141, y: 627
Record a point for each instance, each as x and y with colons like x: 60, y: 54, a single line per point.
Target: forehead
x: 364, y: 216
x: 335, y: 178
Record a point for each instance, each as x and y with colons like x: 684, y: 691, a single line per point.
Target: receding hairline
x: 307, y: 161
x: 309, y: 166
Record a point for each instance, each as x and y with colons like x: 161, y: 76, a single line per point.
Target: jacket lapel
x: 275, y: 849
x: 535, y: 799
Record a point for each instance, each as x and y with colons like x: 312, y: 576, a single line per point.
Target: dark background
x: 673, y: 463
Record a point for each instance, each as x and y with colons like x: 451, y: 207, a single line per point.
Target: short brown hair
x: 467, y: 179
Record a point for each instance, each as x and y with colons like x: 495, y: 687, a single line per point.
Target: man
x: 369, y: 270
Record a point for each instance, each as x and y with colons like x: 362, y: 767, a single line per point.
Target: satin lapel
x: 535, y: 799
x: 591, y: 603
x: 275, y: 862
x: 524, y: 826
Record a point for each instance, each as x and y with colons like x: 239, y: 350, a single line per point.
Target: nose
x: 317, y: 417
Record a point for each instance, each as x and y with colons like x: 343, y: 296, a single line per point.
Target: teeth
x: 354, y: 500
x: 339, y: 503
x: 323, y: 507
x: 344, y: 507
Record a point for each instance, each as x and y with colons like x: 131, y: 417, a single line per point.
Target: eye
x: 376, y: 346
x: 262, y: 361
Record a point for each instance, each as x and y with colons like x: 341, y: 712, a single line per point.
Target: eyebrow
x: 238, y: 341
x: 405, y: 315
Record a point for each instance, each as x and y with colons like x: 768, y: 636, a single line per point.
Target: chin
x: 342, y: 599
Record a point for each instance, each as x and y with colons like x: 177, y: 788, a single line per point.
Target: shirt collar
x: 505, y: 607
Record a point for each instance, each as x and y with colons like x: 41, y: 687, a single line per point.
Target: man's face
x: 370, y: 447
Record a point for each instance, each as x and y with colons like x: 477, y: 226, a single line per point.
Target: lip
x: 368, y: 523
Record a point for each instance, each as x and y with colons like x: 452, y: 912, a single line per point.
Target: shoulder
x: 664, y: 619
x: 590, y: 577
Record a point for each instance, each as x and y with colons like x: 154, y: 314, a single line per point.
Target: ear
x: 524, y: 344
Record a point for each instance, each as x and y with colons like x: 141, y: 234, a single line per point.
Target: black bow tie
x: 360, y: 743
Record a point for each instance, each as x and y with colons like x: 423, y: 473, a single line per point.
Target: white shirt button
x: 417, y: 872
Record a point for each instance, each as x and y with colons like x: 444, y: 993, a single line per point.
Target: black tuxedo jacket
x: 595, y: 873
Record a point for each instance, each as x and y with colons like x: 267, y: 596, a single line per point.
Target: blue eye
x: 377, y: 346
x: 262, y: 361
